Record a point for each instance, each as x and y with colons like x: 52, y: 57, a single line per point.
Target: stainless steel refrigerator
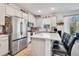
x: 18, y: 36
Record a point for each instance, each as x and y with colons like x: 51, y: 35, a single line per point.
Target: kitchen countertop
x: 42, y: 43
x: 3, y: 35
x: 50, y: 36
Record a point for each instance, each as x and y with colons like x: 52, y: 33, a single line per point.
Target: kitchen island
x: 42, y: 43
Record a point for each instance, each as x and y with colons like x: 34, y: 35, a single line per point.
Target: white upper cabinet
x: 2, y: 14
x: 18, y: 13
x: 32, y: 19
x: 46, y: 21
x: 50, y: 20
x: 53, y: 21
x: 10, y: 10
x: 25, y: 16
x: 39, y: 22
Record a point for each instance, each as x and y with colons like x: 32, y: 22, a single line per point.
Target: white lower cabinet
x: 3, y: 45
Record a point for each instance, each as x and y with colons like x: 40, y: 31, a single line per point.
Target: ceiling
x: 45, y: 8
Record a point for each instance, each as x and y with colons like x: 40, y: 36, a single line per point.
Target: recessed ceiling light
x: 52, y: 8
x: 39, y: 11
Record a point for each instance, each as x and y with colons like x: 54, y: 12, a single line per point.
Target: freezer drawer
x: 22, y: 43
x: 15, y: 47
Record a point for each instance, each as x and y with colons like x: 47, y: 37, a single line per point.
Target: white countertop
x: 3, y: 35
x: 51, y: 36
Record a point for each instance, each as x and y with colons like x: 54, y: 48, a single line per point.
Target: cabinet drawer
x: 3, y: 46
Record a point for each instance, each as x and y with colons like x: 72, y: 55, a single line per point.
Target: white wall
x: 59, y: 17
x: 67, y: 25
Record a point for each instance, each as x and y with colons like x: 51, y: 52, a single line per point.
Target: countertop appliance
x: 18, y: 34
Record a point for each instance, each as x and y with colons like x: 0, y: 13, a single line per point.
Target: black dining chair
x: 70, y: 45
x: 65, y: 51
x: 61, y: 48
x: 63, y: 37
x: 59, y: 32
x: 77, y: 35
x: 75, y: 49
x: 65, y: 40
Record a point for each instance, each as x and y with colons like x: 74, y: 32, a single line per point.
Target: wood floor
x: 26, y: 52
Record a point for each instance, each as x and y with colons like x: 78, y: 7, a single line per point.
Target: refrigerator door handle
x: 21, y: 28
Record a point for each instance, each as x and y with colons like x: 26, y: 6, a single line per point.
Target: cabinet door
x: 3, y: 46
x: 53, y: 21
x: 25, y: 16
x: 46, y: 21
x: 39, y: 22
x: 31, y: 18
x: 18, y: 13
x: 2, y: 14
x: 10, y: 10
